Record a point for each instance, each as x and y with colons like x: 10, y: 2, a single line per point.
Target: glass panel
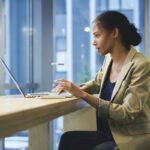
x: 60, y: 53
x: 135, y: 12
x: 16, y: 55
x: 101, y: 5
x: 18, y: 141
x: 128, y: 4
x: 17, y: 32
x: 60, y: 38
x: 61, y: 43
x: 72, y: 38
x: 81, y: 41
x: 114, y: 4
x: 62, y: 58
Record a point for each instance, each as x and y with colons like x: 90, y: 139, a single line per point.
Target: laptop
x: 44, y: 95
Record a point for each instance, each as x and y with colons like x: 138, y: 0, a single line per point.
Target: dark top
x: 107, y: 90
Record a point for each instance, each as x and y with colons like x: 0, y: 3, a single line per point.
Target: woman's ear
x: 115, y: 33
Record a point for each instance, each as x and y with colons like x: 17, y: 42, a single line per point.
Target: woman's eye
x: 97, y: 35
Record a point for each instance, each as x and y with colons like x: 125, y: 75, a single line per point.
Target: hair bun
x: 134, y: 38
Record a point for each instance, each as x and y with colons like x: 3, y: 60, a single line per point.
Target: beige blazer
x: 128, y: 112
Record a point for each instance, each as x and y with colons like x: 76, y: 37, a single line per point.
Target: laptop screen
x: 12, y: 77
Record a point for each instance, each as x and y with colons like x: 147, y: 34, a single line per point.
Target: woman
x: 123, y: 85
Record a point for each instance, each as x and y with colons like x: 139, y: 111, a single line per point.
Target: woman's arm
x: 136, y: 96
x: 81, y: 92
x: 91, y: 87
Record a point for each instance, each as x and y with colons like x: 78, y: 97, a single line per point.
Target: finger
x: 58, y: 87
x: 62, y: 85
x: 60, y: 80
x: 60, y: 90
x: 57, y: 81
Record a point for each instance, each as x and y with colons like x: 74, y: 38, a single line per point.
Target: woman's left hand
x: 64, y: 85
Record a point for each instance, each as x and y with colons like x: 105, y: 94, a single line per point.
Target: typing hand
x: 57, y: 88
x: 64, y: 85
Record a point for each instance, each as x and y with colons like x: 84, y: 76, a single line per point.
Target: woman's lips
x: 98, y: 49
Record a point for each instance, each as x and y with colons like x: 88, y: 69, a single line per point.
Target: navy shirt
x: 107, y: 90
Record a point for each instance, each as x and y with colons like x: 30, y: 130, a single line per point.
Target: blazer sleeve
x: 135, y: 98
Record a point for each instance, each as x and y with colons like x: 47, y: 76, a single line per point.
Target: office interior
x: 44, y: 40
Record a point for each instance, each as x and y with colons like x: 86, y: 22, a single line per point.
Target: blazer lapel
x: 127, y: 65
x: 122, y: 75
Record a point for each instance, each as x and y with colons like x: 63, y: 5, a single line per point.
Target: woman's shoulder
x: 141, y: 59
x: 141, y: 63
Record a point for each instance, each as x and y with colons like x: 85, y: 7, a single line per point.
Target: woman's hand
x: 64, y: 85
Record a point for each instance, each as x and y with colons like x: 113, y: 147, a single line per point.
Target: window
x: 17, y: 42
x: 101, y: 5
x: 114, y: 4
x: 17, y: 48
x: 61, y: 43
x: 27, y: 52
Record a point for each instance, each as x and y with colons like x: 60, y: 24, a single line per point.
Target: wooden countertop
x: 18, y: 113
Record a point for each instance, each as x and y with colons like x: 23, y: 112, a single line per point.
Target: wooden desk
x: 18, y: 113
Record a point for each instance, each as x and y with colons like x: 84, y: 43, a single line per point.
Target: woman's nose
x: 94, y: 42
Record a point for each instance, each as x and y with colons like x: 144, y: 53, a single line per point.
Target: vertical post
x: 69, y: 40
x: 1, y: 144
x: 42, y: 15
x: 39, y: 137
x: 79, y: 120
x: 1, y: 45
x: 92, y: 49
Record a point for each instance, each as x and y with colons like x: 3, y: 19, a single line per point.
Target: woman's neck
x: 119, y: 54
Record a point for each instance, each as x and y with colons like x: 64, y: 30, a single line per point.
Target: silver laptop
x: 44, y: 95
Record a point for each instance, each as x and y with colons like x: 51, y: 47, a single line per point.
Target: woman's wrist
x: 83, y: 95
x: 84, y: 88
x: 94, y: 101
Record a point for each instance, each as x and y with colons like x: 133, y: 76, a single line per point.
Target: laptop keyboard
x: 49, y: 95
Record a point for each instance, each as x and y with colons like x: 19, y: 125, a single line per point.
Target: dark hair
x: 113, y: 19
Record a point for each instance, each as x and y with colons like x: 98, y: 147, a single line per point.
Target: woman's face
x: 102, y: 40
